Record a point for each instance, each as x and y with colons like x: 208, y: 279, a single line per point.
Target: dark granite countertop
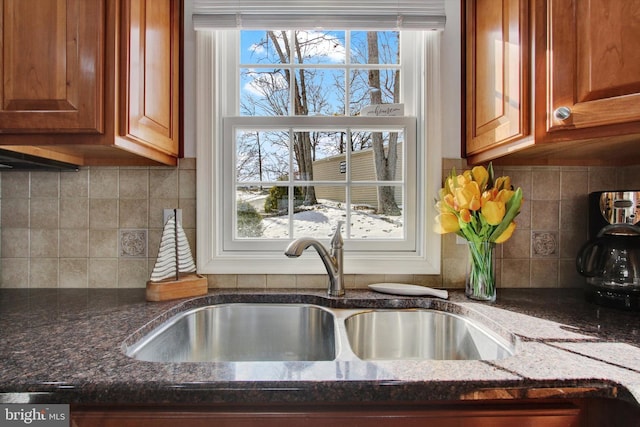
x: 66, y: 346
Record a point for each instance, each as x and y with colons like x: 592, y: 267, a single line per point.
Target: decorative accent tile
x: 133, y: 243
x: 545, y: 243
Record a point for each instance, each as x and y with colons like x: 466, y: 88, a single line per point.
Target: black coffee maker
x: 610, y: 260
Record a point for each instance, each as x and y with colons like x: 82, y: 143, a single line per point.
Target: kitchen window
x: 297, y: 129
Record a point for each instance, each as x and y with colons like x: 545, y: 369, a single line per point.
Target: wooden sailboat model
x: 174, y: 274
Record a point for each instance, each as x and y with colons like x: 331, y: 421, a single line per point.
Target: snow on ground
x: 319, y: 221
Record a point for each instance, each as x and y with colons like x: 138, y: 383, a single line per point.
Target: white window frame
x: 212, y: 258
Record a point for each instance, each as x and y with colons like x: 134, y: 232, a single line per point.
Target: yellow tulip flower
x: 449, y: 186
x: 488, y: 196
x: 478, y: 206
x: 503, y: 182
x: 465, y: 195
x: 465, y: 216
x: 506, y: 234
x: 493, y: 212
x: 462, y: 198
x: 474, y: 187
x: 504, y: 195
x: 450, y: 201
x: 446, y: 223
x: 475, y: 204
x: 480, y: 175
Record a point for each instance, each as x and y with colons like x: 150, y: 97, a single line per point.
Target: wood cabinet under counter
x: 442, y: 415
x: 552, y: 82
x: 490, y: 413
x: 92, y: 82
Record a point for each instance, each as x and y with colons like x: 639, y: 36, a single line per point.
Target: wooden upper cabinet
x: 92, y: 82
x: 582, y: 104
x: 151, y: 59
x: 594, y: 66
x: 497, y: 61
x: 45, y: 46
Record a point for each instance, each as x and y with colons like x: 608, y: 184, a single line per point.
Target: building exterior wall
x: 362, y: 169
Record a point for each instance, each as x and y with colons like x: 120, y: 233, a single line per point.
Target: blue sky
x: 322, y: 48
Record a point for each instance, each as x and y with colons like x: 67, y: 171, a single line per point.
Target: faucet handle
x: 336, y: 240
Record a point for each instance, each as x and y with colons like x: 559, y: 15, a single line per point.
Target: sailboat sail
x: 174, y: 255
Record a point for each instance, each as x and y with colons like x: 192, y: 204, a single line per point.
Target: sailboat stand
x: 174, y: 274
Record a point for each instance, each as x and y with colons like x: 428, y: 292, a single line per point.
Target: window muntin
x: 345, y: 186
x: 310, y: 72
x: 217, y: 98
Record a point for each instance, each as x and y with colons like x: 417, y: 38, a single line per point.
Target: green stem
x: 482, y: 283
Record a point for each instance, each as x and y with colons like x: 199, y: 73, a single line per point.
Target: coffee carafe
x: 611, y: 260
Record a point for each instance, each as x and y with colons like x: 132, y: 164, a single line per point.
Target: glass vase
x: 481, y: 272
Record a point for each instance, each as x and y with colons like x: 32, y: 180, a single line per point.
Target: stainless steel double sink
x: 238, y: 332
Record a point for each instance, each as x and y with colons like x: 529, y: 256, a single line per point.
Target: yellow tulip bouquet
x: 480, y: 209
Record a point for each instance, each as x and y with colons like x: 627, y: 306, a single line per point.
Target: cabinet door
x: 152, y: 66
x: 503, y: 417
x: 51, y: 66
x: 594, y: 66
x: 497, y: 73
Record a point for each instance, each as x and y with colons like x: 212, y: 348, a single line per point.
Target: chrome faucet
x: 332, y: 261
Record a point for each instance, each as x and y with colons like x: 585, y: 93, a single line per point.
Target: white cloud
x: 320, y: 44
x: 316, y: 44
x: 257, y: 49
x: 263, y: 82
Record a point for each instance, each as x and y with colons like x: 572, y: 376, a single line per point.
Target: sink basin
x: 262, y: 332
x: 242, y: 332
x: 421, y: 334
